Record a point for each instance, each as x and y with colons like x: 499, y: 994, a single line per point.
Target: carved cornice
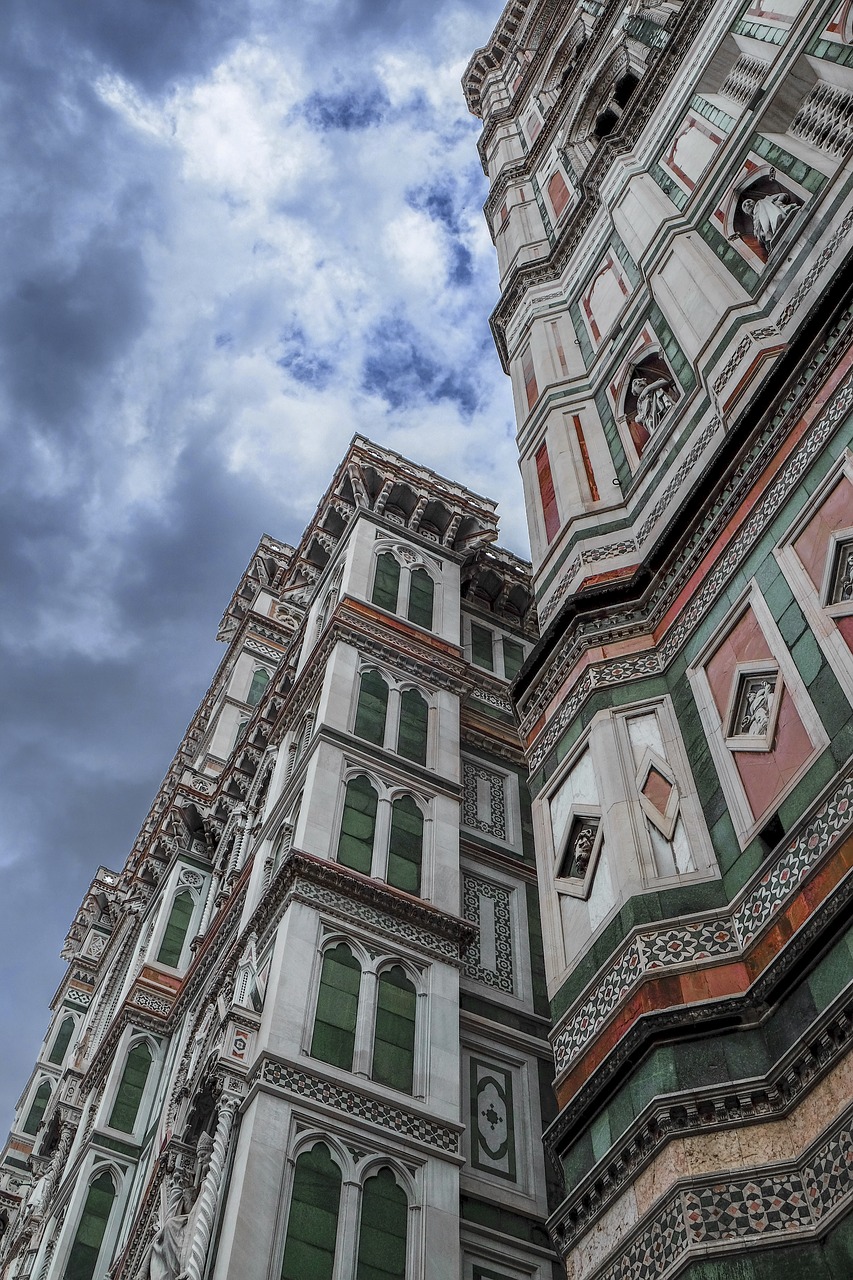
x: 329, y: 886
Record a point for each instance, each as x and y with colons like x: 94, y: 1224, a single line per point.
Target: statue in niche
x: 755, y: 719
x: 650, y: 397
x: 764, y: 210
x: 583, y: 845
x: 168, y: 1253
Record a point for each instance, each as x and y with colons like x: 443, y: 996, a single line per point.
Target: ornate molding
x: 766, y: 1098
x: 401, y: 1121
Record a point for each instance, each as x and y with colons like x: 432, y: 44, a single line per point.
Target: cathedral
x: 491, y: 921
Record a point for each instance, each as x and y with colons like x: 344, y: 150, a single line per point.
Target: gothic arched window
x: 372, y: 708
x: 176, y: 929
x: 358, y: 825
x: 405, y: 846
x: 394, y: 1038
x: 333, y: 1040
x: 421, y: 593
x: 131, y: 1087
x: 412, y: 736
x: 312, y: 1224
x: 89, y: 1237
x: 62, y: 1041
x: 260, y: 680
x: 382, y: 1229
x: 386, y: 582
x: 37, y: 1108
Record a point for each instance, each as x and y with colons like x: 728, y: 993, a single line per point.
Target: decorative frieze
x: 489, y: 958
x: 399, y: 1120
x: 704, y: 1216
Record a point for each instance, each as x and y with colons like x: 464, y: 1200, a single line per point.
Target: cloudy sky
x: 235, y: 232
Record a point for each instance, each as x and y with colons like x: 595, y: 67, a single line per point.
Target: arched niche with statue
x: 762, y: 210
x: 648, y: 395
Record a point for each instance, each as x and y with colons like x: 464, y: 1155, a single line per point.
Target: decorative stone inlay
x: 406, y: 1123
x: 764, y: 511
x: 707, y: 1111
x: 492, y: 699
x: 352, y: 909
x: 500, y: 977
x: 751, y: 1210
x: 697, y: 941
x: 154, y: 1004
x: 472, y: 808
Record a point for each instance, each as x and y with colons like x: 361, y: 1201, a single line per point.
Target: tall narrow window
x: 513, y: 658
x: 131, y: 1088
x: 386, y: 583
x: 412, y: 738
x: 37, y: 1108
x: 337, y: 1006
x: 382, y: 1230
x: 91, y: 1229
x: 358, y: 825
x: 547, y: 492
x: 421, y: 591
x: 176, y: 930
x: 482, y: 652
x: 62, y: 1041
x: 260, y: 680
x: 372, y: 708
x: 394, y: 1042
x: 405, y: 848
x: 312, y: 1224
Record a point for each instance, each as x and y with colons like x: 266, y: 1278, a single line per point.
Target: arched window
x: 372, y: 708
x: 412, y: 737
x: 421, y: 591
x: 62, y: 1041
x: 37, y: 1108
x: 405, y: 847
x: 333, y: 1040
x: 382, y: 1229
x: 394, y: 1040
x: 260, y: 680
x: 131, y: 1088
x: 386, y: 582
x: 91, y: 1228
x: 176, y: 930
x: 358, y: 825
x: 312, y: 1224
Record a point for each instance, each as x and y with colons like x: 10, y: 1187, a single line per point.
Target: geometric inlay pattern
x: 750, y: 1210
x: 490, y: 818
x: 400, y: 1121
x: 720, y: 935
x: 500, y: 974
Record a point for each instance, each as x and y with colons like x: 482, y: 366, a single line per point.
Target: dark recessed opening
x: 772, y: 833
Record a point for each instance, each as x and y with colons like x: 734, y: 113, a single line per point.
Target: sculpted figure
x: 769, y: 214
x: 584, y: 840
x: 653, y: 401
x: 845, y: 584
x: 756, y: 713
x: 169, y: 1251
